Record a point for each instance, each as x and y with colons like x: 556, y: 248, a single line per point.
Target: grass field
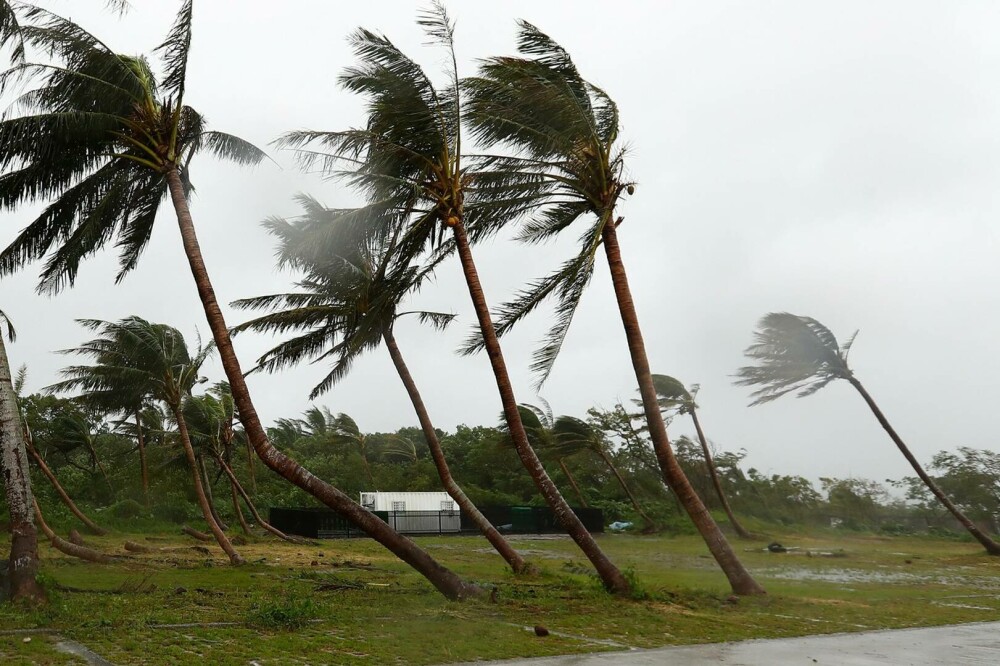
x: 350, y: 602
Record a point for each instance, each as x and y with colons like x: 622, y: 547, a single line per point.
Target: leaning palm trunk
x: 739, y: 578
x: 628, y: 491
x: 572, y: 482
x: 63, y: 495
x: 446, y: 581
x: 23, y: 563
x: 207, y: 484
x: 611, y: 577
x: 507, y: 552
x: 713, y: 473
x: 251, y: 467
x: 236, y: 508
x: 991, y: 546
x: 199, y: 489
x: 68, y: 547
x: 238, y: 487
x: 143, y: 465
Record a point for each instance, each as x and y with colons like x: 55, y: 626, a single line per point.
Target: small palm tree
x: 349, y: 303
x: 538, y: 423
x: 409, y: 163
x: 674, y: 398
x: 799, y: 355
x: 573, y: 433
x: 564, y: 162
x: 154, y: 358
x: 125, y: 140
x: 22, y: 567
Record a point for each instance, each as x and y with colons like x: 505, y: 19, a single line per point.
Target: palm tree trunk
x: 628, y: 491
x: 445, y: 580
x: 252, y: 467
x: 368, y: 469
x: 253, y: 509
x: 739, y: 578
x: 207, y: 484
x: 22, y: 567
x: 507, y: 552
x: 991, y: 546
x: 63, y: 495
x: 236, y: 508
x: 141, y: 439
x: 741, y: 531
x: 572, y: 482
x: 68, y: 547
x: 612, y: 578
x: 199, y: 490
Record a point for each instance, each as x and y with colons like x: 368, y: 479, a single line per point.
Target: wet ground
x: 957, y: 645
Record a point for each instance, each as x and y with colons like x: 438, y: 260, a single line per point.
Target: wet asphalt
x: 955, y: 645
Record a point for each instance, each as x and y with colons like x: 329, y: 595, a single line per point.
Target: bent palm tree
x: 800, y: 355
x: 151, y: 358
x: 109, y: 142
x: 408, y: 161
x: 349, y: 303
x: 674, y: 397
x: 566, y: 164
x: 22, y: 565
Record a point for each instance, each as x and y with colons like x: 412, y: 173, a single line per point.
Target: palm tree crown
x: 97, y: 137
x: 566, y: 164
x: 350, y: 297
x: 140, y: 356
x: 793, y: 353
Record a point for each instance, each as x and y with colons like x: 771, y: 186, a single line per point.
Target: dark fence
x: 323, y: 523
x: 534, y: 519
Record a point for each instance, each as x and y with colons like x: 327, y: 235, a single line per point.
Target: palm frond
x: 174, y: 51
x: 11, y: 333
x: 233, y: 148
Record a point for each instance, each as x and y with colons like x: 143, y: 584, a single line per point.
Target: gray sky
x: 836, y: 160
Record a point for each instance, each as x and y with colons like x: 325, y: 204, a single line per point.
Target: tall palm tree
x: 22, y: 565
x: 154, y: 358
x: 349, y: 303
x: 675, y: 398
x: 409, y: 163
x: 800, y: 355
x: 565, y: 162
x: 108, y: 141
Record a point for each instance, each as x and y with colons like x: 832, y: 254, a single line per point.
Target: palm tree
x: 22, y: 567
x: 349, y: 303
x: 675, y: 398
x: 564, y: 162
x: 409, y: 163
x: 538, y: 424
x: 573, y: 433
x: 800, y: 355
x: 568, y: 436
x: 151, y: 358
x: 108, y: 141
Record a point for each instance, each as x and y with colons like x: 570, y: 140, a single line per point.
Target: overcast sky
x: 838, y: 160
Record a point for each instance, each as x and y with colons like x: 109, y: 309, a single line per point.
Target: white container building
x: 416, y: 513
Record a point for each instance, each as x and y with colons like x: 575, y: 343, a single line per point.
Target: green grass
x: 358, y: 605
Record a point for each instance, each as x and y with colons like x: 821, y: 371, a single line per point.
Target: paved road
x: 956, y: 645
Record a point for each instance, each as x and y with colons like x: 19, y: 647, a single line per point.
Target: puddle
x: 888, y: 577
